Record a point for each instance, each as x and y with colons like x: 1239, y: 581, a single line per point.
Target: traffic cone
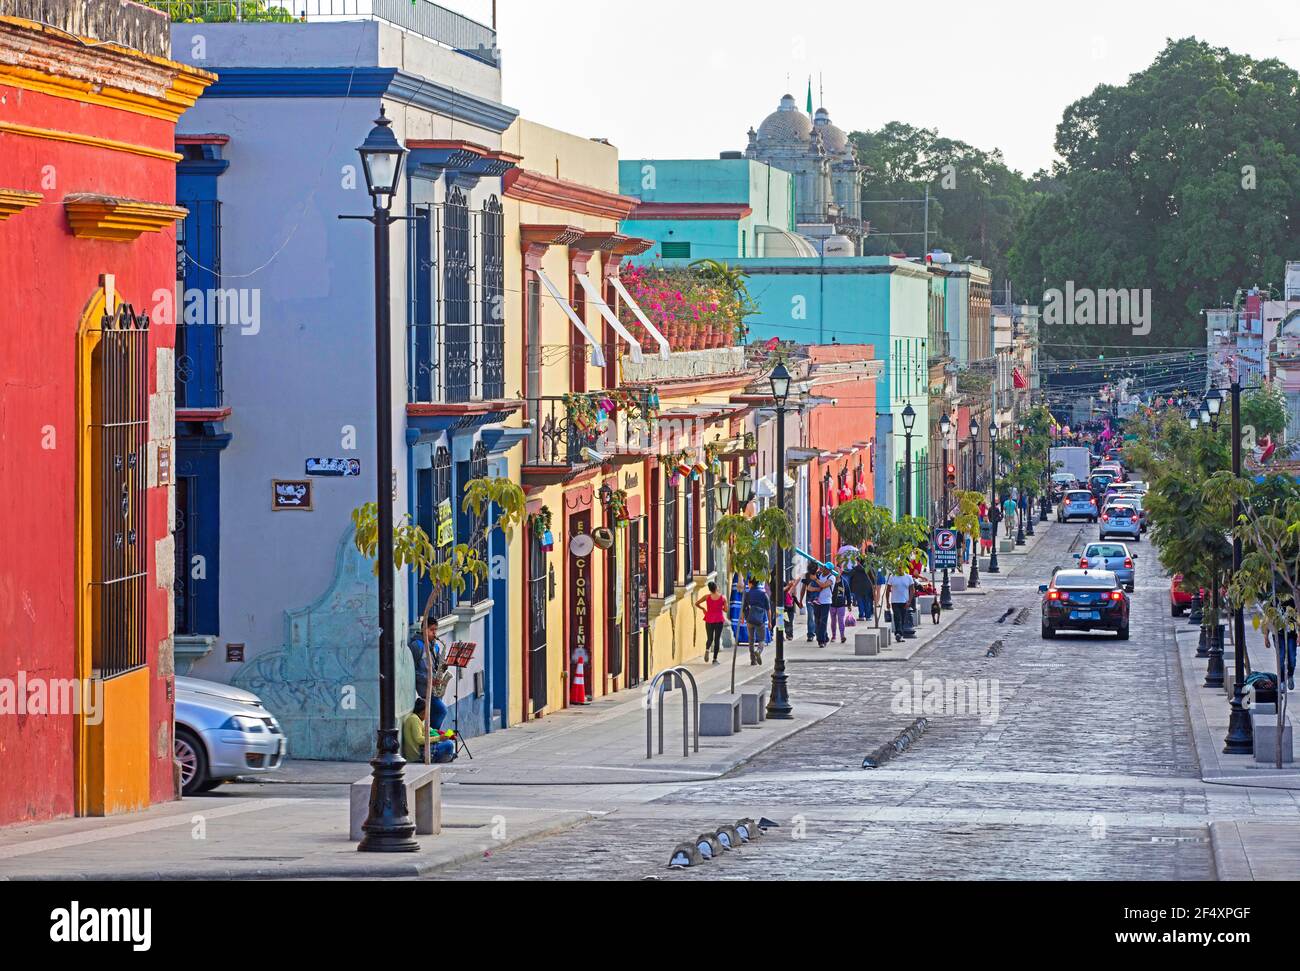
x: 578, y: 685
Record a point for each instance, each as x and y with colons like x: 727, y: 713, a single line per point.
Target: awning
x: 664, y: 350
x: 611, y: 318
x: 597, y: 354
x: 801, y: 456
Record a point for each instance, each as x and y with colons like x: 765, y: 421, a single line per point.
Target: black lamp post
x: 778, y: 705
x: 974, y: 580
x: 744, y: 491
x: 1240, y: 739
x: 389, y: 827
x: 1209, y: 417
x: 909, y: 420
x: 724, y: 493
x: 945, y: 430
x: 993, y: 496
x: 1020, y: 506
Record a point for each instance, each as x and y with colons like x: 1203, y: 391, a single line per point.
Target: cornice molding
x: 362, y: 82
x: 536, y: 239
x: 527, y: 186
x: 687, y: 211
x: 92, y: 141
x: 13, y: 201
x: 36, y: 57
x: 115, y: 219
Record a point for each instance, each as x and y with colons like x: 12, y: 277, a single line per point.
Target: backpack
x: 839, y: 596
x: 754, y: 613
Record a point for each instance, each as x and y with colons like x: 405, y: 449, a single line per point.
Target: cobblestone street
x: 1083, y: 769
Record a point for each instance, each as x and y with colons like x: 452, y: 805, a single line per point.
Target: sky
x: 688, y: 78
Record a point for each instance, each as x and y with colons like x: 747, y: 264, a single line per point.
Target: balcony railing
x: 565, y: 435
x: 438, y: 24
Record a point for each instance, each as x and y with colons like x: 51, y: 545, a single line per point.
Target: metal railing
x: 564, y: 435
x: 437, y: 23
x: 663, y: 681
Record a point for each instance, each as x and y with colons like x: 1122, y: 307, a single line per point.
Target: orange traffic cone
x: 578, y: 684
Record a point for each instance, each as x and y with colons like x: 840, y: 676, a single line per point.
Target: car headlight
x: 243, y: 723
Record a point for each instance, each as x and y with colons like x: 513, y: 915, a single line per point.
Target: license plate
x: 1084, y: 615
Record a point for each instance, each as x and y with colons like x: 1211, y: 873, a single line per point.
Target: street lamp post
x: 945, y: 430
x: 778, y: 705
x: 389, y: 827
x: 993, y: 496
x: 974, y: 580
x: 909, y: 420
x: 1214, y: 668
x: 1019, y: 506
x: 1240, y: 739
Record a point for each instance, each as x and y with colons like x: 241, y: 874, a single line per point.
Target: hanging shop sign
x: 336, y: 468
x: 291, y: 494
x: 580, y: 592
x: 446, y: 529
x: 603, y: 537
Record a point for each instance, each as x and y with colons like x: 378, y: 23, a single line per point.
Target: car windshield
x: 1106, y: 549
x: 1079, y: 496
x: 1085, y: 581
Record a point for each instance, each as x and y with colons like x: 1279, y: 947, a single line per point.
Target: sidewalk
x: 1265, y: 849
x: 294, y: 824
x: 244, y: 836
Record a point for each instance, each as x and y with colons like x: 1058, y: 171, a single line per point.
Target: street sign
x: 943, y: 556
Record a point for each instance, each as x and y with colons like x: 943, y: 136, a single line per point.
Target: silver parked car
x: 223, y: 732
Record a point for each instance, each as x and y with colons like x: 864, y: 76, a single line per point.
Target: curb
x: 1230, y: 860
x: 415, y: 868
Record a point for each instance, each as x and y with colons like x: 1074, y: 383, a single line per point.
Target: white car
x: 221, y: 733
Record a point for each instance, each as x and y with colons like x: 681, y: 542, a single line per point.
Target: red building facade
x: 88, y: 267
x: 844, y: 433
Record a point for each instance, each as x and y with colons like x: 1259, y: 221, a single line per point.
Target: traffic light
x: 952, y: 476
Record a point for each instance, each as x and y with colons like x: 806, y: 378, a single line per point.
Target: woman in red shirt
x: 714, y: 606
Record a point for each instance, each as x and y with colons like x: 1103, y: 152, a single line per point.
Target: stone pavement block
x: 866, y: 643
x: 753, y: 706
x: 720, y: 715
x: 423, y: 784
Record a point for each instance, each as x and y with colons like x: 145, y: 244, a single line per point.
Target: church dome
x: 786, y: 124
x: 836, y: 142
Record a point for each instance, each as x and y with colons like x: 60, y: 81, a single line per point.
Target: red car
x: 1180, y: 596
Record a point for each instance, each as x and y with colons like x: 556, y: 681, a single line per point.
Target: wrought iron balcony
x: 567, y: 434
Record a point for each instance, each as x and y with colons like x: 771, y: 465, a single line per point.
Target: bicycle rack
x: 663, y: 681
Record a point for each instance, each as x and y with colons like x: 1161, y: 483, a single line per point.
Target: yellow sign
x: 446, y: 530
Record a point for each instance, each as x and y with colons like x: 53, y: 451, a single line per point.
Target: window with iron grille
x: 422, y: 347
x: 492, y: 357
x: 457, y: 268
x: 203, y: 307
x: 433, y: 485
x: 670, y: 535
x: 119, y: 433
x: 183, y: 584
x: 710, y: 519
x: 478, y: 469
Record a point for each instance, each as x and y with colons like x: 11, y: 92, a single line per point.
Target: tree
x: 976, y: 201
x: 412, y: 547
x: 749, y: 543
x: 1269, y: 578
x: 1184, y: 181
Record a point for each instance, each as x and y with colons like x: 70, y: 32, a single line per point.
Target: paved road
x: 1079, y: 764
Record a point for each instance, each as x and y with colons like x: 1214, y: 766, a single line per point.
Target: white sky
x: 687, y: 78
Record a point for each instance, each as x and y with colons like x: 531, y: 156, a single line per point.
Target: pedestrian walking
x: 714, y: 606
x: 1009, y: 509
x: 862, y: 590
x: 757, y: 611
x: 823, y: 586
x: 808, y: 600
x: 791, y: 604
x: 900, y: 599
x: 839, y: 607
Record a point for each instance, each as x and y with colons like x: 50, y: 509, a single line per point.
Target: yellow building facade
x: 615, y: 550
